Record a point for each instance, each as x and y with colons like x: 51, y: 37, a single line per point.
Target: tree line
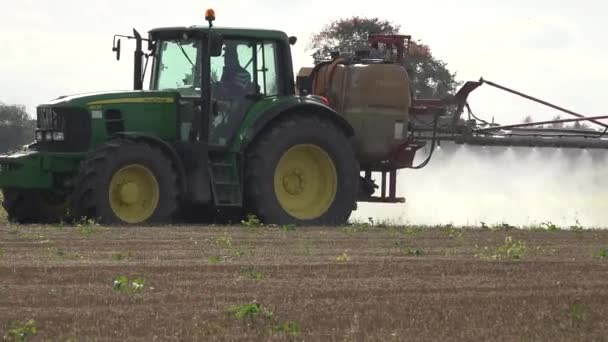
x: 16, y: 127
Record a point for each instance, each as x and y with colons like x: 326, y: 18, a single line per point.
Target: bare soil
x: 334, y: 284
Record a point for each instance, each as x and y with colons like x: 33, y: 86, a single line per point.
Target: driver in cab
x: 235, y: 79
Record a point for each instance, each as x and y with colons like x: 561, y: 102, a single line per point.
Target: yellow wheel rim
x: 305, y: 181
x: 134, y: 193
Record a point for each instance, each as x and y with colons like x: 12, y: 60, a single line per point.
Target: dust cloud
x: 467, y: 185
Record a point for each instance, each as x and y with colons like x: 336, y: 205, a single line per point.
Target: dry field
x: 355, y: 283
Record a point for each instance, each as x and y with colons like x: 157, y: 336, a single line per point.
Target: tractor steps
x: 225, y: 180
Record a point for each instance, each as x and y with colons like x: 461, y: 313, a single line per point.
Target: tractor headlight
x: 48, y: 136
x: 58, y: 136
x: 39, y: 136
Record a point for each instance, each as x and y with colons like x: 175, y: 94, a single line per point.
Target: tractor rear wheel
x: 33, y: 206
x: 302, y: 170
x: 125, y: 182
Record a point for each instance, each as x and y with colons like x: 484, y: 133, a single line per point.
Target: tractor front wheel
x: 302, y: 170
x: 125, y: 182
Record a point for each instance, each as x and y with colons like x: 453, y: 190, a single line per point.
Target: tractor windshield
x: 177, y: 67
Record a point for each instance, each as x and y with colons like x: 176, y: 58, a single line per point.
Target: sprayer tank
x: 375, y: 99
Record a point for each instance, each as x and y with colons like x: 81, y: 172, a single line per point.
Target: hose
x: 433, y: 143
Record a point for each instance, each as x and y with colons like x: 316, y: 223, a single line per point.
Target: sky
x: 551, y: 49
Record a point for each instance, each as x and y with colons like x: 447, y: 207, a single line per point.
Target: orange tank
x: 374, y: 98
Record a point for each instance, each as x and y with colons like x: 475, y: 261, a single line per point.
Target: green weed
x: 343, y: 257
x: 223, y: 241
x: 60, y: 227
x: 451, y: 231
x: 546, y: 226
x: 603, y: 253
x: 62, y: 255
x: 251, y: 222
x: 120, y: 256
x: 1, y: 252
x: 291, y: 328
x: 550, y: 226
x: 306, y: 246
x: 88, y: 227
x: 124, y: 284
x: 214, y: 259
x: 355, y: 228
x: 577, y: 227
x: 288, y: 228
x: 514, y: 250
x: 249, y: 311
x: 23, y: 331
x: 502, y: 226
x: 252, y: 274
x: 241, y: 252
x: 576, y: 312
x: 405, y: 250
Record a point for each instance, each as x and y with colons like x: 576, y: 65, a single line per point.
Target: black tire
x: 265, y: 152
x: 33, y: 206
x: 208, y: 214
x: 90, y: 198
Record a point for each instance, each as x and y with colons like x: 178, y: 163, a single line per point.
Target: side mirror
x: 116, y: 49
x: 217, y: 43
x: 293, y: 40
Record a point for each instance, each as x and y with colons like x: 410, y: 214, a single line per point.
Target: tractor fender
x: 304, y: 105
x: 165, y: 147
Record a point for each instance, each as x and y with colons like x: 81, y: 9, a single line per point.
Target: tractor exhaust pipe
x: 138, y: 83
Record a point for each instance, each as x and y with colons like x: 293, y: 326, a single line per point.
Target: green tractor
x: 220, y: 132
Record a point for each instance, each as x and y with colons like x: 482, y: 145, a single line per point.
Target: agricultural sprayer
x: 224, y: 130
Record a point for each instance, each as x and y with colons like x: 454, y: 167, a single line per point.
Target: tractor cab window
x: 245, y: 68
x: 178, y: 67
x: 267, y: 69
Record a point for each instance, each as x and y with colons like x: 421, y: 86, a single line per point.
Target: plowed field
x: 315, y: 284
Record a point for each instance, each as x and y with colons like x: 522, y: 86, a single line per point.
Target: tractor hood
x: 99, y: 99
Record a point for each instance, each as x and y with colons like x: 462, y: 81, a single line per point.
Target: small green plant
x: 603, y: 253
x: 61, y: 226
x: 291, y: 328
x: 355, y: 227
x: 61, y: 254
x: 251, y: 222
x: 549, y: 226
x: 121, y: 256
x: 252, y: 274
x: 23, y: 331
x: 223, y: 241
x: 511, y: 249
x: 240, y: 252
x: 451, y: 231
x: 288, y: 228
x: 87, y: 227
x: 214, y: 259
x: 124, y: 284
x: 406, y: 250
x: 1, y: 252
x: 577, y: 227
x: 503, y: 226
x: 343, y: 257
x: 249, y: 311
x: 576, y: 312
x: 306, y: 247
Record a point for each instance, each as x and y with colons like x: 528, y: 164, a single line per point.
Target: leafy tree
x: 16, y: 128
x: 429, y: 76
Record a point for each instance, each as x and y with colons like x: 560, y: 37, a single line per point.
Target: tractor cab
x: 217, y: 74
